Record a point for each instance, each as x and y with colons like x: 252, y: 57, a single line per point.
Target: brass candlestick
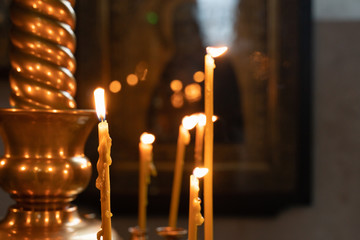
x: 170, y: 233
x: 136, y: 233
x: 43, y: 169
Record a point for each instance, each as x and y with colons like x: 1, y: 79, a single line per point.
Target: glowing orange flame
x: 216, y: 51
x: 189, y: 122
x: 200, y: 172
x: 99, y: 95
x: 147, y: 138
x: 201, y: 118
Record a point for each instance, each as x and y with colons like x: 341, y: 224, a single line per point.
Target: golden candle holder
x: 170, y: 233
x: 43, y: 169
x: 136, y: 233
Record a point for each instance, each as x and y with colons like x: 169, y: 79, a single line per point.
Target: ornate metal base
x: 50, y: 225
x: 43, y: 169
x: 137, y: 233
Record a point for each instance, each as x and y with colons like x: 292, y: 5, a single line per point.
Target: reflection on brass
x: 169, y: 233
x: 137, y: 233
x: 42, y: 57
x: 43, y: 169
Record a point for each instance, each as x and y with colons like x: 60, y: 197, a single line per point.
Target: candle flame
x: 189, y: 122
x: 99, y: 95
x: 201, y: 118
x: 216, y: 51
x: 147, y: 138
x: 200, y: 172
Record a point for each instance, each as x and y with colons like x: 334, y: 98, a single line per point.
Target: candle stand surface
x: 170, y: 233
x: 43, y: 169
x: 137, y: 233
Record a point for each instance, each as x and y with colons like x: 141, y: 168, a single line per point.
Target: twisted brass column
x: 42, y: 57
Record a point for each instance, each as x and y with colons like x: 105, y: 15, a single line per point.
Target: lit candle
x: 188, y: 123
x: 199, y: 139
x: 195, y: 217
x: 209, y: 137
x: 103, y: 179
x: 146, y: 168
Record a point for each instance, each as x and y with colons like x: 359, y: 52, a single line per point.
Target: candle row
x: 205, y: 125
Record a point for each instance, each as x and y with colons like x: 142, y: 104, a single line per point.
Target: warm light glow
x: 115, y: 86
x: 147, y: 138
x: 99, y: 95
x: 177, y: 99
x: 201, y: 119
x: 200, y: 172
x: 176, y: 85
x: 132, y: 79
x: 22, y: 168
x: 216, y: 51
x: 199, y: 76
x: 71, y: 104
x: 193, y: 92
x: 2, y: 162
x: 189, y: 122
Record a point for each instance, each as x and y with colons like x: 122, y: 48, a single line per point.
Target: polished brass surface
x: 170, y: 233
x: 43, y: 169
x: 137, y: 233
x: 42, y: 57
x: 53, y: 224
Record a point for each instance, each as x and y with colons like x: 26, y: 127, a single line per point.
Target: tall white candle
x: 209, y: 137
x: 199, y: 140
x: 195, y: 217
x: 183, y: 140
x: 103, y: 164
x: 145, y: 149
